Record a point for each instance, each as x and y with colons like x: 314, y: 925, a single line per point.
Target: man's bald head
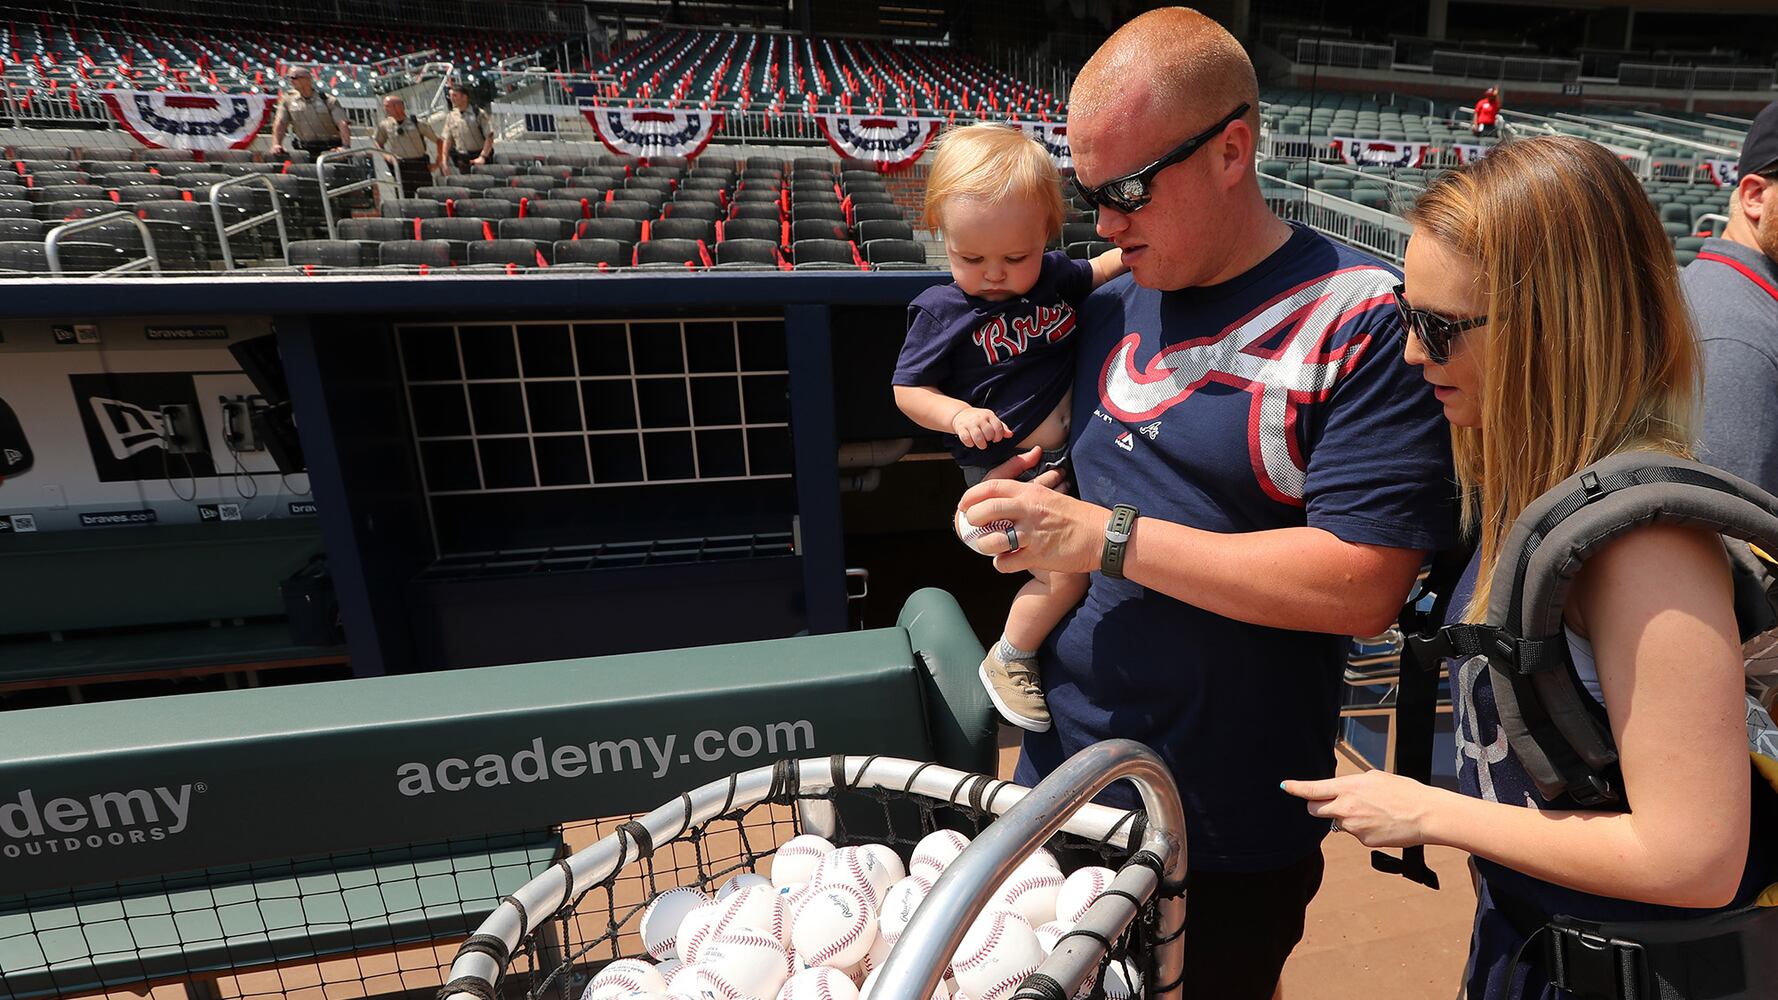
x: 1170, y: 65
x: 394, y: 103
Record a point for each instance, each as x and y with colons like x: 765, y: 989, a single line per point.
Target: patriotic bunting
x: 1053, y: 137
x: 646, y: 132
x: 1725, y: 173
x: 1469, y: 152
x: 175, y: 120
x: 1379, y: 152
x: 890, y: 142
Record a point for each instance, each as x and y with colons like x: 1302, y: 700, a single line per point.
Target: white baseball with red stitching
x: 1030, y: 891
x: 753, y: 964
x: 818, y: 983
x: 998, y: 952
x: 834, y: 926
x: 1121, y: 981
x: 1079, y: 891
x: 973, y: 536
x: 890, y: 860
x: 694, y: 930
x: 661, y: 920
x: 624, y: 976
x: 935, y: 852
x: 798, y: 857
x: 858, y: 868
x: 741, y: 881
x: 760, y: 907
x: 899, y: 904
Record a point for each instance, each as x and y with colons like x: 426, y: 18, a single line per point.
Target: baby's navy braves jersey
x: 1278, y: 399
x: 1014, y: 357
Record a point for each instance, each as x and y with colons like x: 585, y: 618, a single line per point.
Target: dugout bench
x: 397, y: 798
x: 164, y: 600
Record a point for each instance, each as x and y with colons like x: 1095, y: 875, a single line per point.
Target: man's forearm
x: 1296, y: 578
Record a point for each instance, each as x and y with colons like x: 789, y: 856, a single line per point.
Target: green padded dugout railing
x: 112, y: 791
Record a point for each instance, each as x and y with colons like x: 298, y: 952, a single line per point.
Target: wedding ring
x: 1012, y: 539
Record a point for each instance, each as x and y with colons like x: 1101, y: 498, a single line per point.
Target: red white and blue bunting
x: 1469, y: 152
x: 1053, y: 137
x: 176, y: 120
x: 646, y: 132
x: 890, y: 142
x: 1726, y: 173
x: 1379, y: 152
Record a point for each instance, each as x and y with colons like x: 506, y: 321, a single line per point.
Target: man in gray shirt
x: 1733, y: 291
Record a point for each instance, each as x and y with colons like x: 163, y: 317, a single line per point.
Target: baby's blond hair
x: 993, y: 162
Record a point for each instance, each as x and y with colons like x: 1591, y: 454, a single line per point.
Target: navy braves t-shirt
x: 1276, y: 399
x: 1014, y: 357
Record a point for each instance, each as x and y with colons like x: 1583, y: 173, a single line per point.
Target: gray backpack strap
x: 1561, y: 742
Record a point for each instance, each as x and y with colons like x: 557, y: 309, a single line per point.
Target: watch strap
x: 1117, y: 536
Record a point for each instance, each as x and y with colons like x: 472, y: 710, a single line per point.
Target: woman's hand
x: 1056, y: 532
x: 1379, y: 808
x: 978, y: 427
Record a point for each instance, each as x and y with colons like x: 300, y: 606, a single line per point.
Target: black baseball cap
x: 1759, y: 151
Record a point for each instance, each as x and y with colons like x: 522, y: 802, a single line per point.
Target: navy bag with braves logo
x: 15, y: 451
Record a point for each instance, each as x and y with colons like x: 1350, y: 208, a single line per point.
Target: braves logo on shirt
x: 1303, y: 368
x: 1001, y: 339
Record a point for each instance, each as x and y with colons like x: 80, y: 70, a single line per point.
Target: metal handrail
x: 918, y: 961
x: 336, y: 155
x: 1620, y: 129
x: 1712, y: 217
x: 52, y: 243
x: 224, y: 231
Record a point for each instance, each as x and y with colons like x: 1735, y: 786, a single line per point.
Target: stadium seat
x: 586, y: 194
x: 65, y: 211
x: 594, y: 253
x: 518, y: 253
x: 1088, y: 250
x: 415, y: 253
x: 865, y: 213
x: 459, y: 233
x: 830, y: 212
x: 557, y: 209
x: 622, y: 230
x: 376, y: 230
x: 482, y: 208
x: 537, y: 230
x: 639, y: 196
x: 20, y: 229
x: 756, y: 193
x: 660, y: 185
x: 701, y: 183
x: 637, y: 210
x: 501, y: 170
x: 326, y: 254
x: 893, y: 251
x: 545, y: 182
x: 818, y: 229
x: 756, y: 210
x: 753, y: 253
x: 884, y: 229
x: 443, y: 192
x: 412, y: 208
x: 16, y: 210
x: 683, y: 229
x: 753, y: 229
x: 871, y: 197
x: 707, y: 210
x: 682, y: 253
x: 824, y: 255
x: 771, y: 164
x: 512, y: 195
x: 23, y: 258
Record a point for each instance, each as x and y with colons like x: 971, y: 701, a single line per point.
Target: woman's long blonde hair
x: 1588, y: 350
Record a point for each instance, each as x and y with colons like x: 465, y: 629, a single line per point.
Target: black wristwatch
x: 1117, y: 535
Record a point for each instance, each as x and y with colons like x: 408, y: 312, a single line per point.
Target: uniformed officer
x: 312, y: 113
x: 468, y: 134
x: 408, y: 139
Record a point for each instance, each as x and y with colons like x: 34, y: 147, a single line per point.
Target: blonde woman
x: 1543, y: 307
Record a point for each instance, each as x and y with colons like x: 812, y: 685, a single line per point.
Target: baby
x: 989, y: 359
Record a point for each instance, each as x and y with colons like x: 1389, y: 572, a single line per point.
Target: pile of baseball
x: 823, y: 924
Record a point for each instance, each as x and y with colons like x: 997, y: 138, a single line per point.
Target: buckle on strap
x: 1595, y: 965
x: 1524, y: 656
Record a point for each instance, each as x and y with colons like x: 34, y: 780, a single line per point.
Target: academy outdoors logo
x: 1302, y: 369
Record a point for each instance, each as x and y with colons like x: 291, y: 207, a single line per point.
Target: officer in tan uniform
x: 468, y: 134
x: 314, y: 115
x: 408, y: 139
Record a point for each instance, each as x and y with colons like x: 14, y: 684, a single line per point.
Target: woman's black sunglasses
x: 1434, y: 331
x: 1130, y: 192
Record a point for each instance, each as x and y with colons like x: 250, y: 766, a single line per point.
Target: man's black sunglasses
x: 1434, y: 331
x: 1130, y: 192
